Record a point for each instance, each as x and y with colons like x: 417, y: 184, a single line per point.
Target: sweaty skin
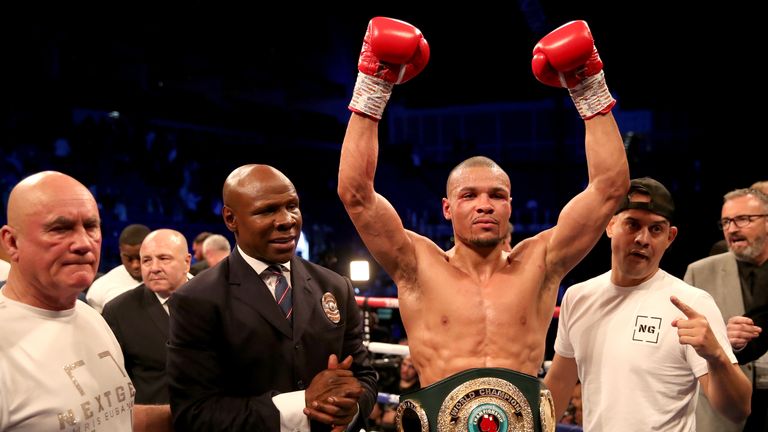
x: 476, y: 305
x: 458, y: 318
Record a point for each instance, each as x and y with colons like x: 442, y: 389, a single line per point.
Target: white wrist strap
x: 591, y: 96
x: 371, y: 95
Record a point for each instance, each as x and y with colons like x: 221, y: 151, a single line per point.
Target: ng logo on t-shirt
x: 646, y: 329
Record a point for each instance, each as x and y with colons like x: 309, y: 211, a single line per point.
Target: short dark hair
x: 473, y: 162
x: 133, y: 234
x: 200, y: 238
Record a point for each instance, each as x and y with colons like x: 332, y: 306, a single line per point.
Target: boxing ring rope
x: 387, y: 348
x: 393, y: 303
x: 378, y: 302
x: 388, y: 398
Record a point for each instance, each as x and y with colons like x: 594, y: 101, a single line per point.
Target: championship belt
x: 479, y: 400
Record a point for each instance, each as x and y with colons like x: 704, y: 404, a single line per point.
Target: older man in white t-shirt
x: 4, y: 269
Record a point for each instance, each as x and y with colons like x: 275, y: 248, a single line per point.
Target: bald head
x: 53, y: 237
x: 261, y: 207
x: 172, y: 240
x: 249, y: 180
x: 164, y: 261
x: 35, y: 193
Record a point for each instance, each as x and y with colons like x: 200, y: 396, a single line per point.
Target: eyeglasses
x: 740, y: 221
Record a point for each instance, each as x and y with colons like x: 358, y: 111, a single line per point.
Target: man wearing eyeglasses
x: 738, y: 281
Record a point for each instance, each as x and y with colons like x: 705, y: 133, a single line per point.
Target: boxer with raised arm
x: 476, y: 311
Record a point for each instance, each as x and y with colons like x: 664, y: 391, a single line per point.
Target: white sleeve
x: 291, y: 406
x: 292, y: 418
x: 95, y: 297
x: 4, y: 414
x: 354, y: 419
x: 563, y: 345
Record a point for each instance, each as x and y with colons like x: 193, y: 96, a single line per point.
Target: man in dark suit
x: 139, y: 317
x: 239, y: 358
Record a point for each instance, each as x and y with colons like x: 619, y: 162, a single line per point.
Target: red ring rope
x: 388, y: 302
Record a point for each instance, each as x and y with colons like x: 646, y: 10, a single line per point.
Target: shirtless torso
x: 460, y: 316
x: 476, y: 305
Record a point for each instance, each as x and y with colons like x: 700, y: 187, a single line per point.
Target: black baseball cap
x: 660, y: 203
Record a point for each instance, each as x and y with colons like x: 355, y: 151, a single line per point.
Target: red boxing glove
x: 567, y: 57
x: 393, y: 52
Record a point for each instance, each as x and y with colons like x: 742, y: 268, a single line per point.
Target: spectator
x: 737, y: 280
x: 215, y: 249
x: 198, y: 261
x: 124, y: 277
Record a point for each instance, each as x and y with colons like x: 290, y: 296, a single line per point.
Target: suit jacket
x: 140, y: 324
x: 197, y: 267
x: 719, y: 276
x: 231, y: 349
x: 758, y: 346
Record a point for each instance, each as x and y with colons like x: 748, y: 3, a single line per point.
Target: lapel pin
x: 331, y: 308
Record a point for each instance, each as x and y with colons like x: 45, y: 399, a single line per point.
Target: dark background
x: 218, y: 85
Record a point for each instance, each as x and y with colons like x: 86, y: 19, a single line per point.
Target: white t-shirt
x: 109, y: 286
x: 4, y: 269
x: 635, y: 375
x: 61, y: 371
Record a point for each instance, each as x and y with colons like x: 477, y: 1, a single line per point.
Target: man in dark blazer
x: 237, y: 361
x: 139, y: 317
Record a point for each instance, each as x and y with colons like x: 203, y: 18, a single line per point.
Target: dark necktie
x: 282, y: 291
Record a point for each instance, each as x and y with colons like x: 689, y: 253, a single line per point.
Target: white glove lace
x: 371, y: 95
x: 591, y: 96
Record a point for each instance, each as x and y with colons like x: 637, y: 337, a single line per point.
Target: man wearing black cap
x: 639, y: 339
